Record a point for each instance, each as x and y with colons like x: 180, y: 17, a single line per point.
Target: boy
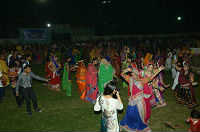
x: 194, y: 121
x: 25, y: 81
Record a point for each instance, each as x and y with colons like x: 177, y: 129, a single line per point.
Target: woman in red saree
x: 81, y: 79
x: 91, y: 83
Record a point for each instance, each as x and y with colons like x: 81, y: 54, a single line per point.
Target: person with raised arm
x: 135, y: 118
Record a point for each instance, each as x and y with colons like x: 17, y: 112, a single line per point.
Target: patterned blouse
x: 109, y: 107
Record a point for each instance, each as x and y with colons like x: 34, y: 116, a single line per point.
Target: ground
x: 62, y: 113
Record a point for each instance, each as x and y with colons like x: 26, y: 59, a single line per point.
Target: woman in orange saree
x: 81, y: 79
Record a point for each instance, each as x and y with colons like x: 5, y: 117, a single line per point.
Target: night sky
x: 119, y: 16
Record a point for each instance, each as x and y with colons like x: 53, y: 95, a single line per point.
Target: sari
x: 136, y: 117
x: 104, y: 76
x: 81, y: 79
x: 91, y: 83
x: 66, y: 80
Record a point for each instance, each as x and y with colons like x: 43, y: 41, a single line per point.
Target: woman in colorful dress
x: 135, y: 118
x: 148, y: 90
x: 109, y: 106
x: 158, y: 90
x: 105, y: 74
x: 186, y: 92
x: 81, y: 79
x: 66, y: 79
x: 54, y: 74
x: 91, y: 82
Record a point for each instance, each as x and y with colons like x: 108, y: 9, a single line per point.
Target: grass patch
x: 62, y: 113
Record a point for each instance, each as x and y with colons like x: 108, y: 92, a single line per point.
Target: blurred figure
x: 194, y: 121
x: 91, y: 82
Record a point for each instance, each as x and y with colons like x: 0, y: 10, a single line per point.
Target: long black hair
x: 109, y: 88
x: 195, y: 114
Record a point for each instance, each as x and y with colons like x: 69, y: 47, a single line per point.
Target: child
x: 194, y: 121
x: 54, y: 74
x: 25, y: 81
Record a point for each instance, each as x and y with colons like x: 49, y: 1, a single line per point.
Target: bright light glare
x: 179, y: 18
x: 48, y: 25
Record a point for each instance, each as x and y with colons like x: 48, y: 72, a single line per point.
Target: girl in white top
x: 109, y: 106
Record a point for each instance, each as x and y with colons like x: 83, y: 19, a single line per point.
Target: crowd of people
x: 98, y: 67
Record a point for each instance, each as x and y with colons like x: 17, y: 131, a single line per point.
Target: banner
x: 35, y: 36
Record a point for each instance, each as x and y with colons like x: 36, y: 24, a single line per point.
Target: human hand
x: 117, y: 94
x: 128, y: 70
x: 17, y: 94
x: 161, y: 68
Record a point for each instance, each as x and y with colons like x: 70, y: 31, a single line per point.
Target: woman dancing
x: 136, y: 116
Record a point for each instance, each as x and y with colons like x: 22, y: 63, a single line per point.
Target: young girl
x: 54, y: 74
x: 109, y: 106
x: 194, y: 121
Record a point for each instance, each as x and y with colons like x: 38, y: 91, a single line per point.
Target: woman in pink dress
x: 91, y: 82
x: 137, y: 113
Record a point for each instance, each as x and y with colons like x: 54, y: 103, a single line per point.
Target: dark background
x: 117, y: 17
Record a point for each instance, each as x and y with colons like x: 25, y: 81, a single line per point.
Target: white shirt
x: 109, y: 107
